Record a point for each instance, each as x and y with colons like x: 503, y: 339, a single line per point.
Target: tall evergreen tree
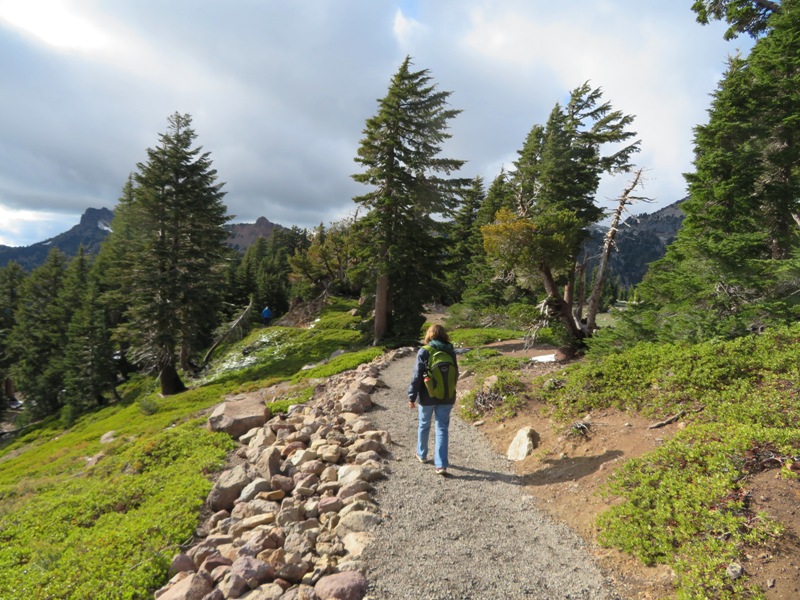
x: 482, y: 285
x: 465, y: 240
x: 175, y: 221
x: 556, y: 179
x: 37, y: 339
x: 89, y: 368
x: 734, y: 262
x: 12, y: 277
x: 400, y: 156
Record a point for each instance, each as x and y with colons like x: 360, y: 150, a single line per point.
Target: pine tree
x: 734, y: 262
x: 399, y: 153
x: 465, y: 240
x: 37, y: 339
x: 12, y: 277
x: 743, y: 16
x: 483, y: 288
x: 89, y: 368
x: 555, y: 182
x: 175, y: 221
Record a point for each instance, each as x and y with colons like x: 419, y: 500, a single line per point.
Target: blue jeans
x: 442, y: 414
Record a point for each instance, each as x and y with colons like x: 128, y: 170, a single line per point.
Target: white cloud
x: 26, y: 227
x: 280, y: 92
x: 406, y: 29
x: 58, y: 23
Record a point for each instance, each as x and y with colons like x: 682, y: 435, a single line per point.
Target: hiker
x: 433, y: 383
x: 266, y: 314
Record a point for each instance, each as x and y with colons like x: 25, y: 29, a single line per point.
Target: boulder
x: 239, y: 415
x: 227, y: 488
x: 356, y: 402
x: 190, y: 587
x: 350, y: 585
x: 523, y: 444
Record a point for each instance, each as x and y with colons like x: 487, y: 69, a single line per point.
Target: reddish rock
x: 350, y: 585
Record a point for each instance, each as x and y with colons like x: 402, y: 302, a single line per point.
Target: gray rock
x: 523, y: 444
x: 356, y: 402
x: 357, y: 521
x: 181, y: 563
x: 239, y: 415
x: 227, y: 488
x: 191, y: 587
x: 251, y: 490
x: 269, y: 591
x: 269, y: 463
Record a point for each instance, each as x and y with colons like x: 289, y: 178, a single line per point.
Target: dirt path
x: 473, y: 535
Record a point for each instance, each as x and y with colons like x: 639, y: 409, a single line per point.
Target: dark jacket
x: 417, y: 387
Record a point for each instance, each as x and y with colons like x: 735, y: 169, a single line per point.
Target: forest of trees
x: 163, y: 284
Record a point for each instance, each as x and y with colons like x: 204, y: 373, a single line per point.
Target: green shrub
x: 685, y: 503
x: 499, y: 400
x: 479, y: 337
x: 343, y: 362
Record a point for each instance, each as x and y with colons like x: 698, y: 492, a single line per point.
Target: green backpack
x: 440, y: 378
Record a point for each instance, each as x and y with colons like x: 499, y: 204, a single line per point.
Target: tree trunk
x: 185, y: 357
x: 563, y: 308
x: 581, y: 278
x: 381, y: 308
x: 608, y: 244
x: 170, y: 381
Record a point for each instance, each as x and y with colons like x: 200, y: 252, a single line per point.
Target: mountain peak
x: 93, y: 216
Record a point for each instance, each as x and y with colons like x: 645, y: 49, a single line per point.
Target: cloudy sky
x: 279, y: 91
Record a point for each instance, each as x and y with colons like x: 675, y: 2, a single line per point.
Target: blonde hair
x: 437, y: 332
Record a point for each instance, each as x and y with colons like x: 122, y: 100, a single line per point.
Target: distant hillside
x: 641, y: 239
x: 90, y: 232
x: 94, y: 227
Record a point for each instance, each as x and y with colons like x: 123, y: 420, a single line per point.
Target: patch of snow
x: 545, y: 358
x: 103, y: 225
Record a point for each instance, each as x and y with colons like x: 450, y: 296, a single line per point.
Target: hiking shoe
x: 441, y: 472
x: 422, y: 460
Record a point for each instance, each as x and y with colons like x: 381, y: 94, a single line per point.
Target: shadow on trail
x: 569, y: 469
x: 470, y: 474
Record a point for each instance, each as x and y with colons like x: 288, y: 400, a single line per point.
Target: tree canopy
x: 743, y: 16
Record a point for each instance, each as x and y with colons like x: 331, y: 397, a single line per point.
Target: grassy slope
x: 109, y: 531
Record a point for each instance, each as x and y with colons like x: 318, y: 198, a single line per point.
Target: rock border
x: 291, y: 521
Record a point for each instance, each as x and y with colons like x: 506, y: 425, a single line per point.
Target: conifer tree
x: 37, y: 339
x: 743, y: 16
x: 483, y: 286
x: 89, y: 368
x: 555, y: 182
x: 465, y: 240
x: 175, y: 221
x: 734, y: 263
x: 12, y: 277
x: 400, y: 156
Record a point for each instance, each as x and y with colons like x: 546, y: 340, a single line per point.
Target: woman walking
x: 433, y: 383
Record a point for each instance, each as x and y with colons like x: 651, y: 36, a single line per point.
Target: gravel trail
x: 472, y: 535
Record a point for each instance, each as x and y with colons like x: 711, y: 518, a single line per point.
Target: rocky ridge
x: 291, y: 519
